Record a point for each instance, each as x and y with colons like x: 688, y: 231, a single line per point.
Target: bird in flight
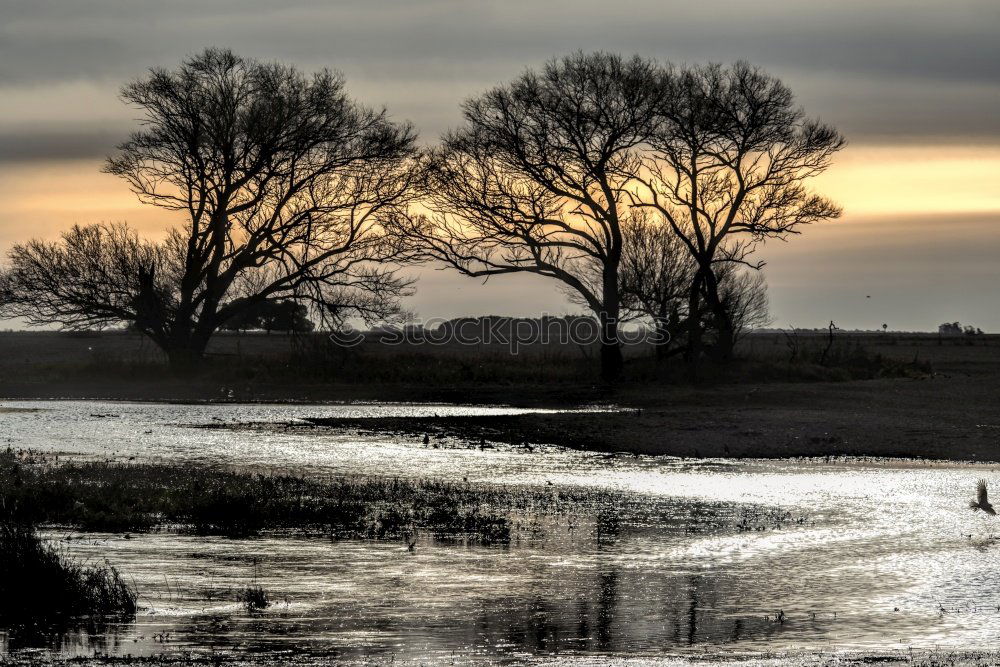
x: 981, y: 503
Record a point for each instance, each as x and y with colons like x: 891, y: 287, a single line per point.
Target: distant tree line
x: 288, y: 316
x: 956, y: 329
x: 643, y: 188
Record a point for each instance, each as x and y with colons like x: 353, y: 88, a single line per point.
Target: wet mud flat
x: 739, y: 431
x: 487, y: 431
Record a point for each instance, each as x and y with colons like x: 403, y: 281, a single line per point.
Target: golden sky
x: 40, y: 198
x: 921, y: 231
x: 913, y: 84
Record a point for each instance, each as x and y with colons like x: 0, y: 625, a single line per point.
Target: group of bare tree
x: 655, y: 278
x: 643, y: 188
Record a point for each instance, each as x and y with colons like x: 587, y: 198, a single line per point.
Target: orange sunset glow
x: 918, y: 179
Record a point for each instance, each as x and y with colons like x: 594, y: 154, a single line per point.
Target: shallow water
x: 854, y: 555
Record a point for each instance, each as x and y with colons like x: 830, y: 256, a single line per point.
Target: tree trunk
x: 693, y: 353
x: 726, y: 339
x: 721, y: 319
x: 668, y: 326
x: 612, y: 361
x: 186, y: 351
x: 662, y: 346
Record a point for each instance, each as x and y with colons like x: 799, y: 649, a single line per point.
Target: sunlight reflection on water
x: 856, y: 555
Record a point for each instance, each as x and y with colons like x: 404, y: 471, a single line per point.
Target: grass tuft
x: 253, y: 598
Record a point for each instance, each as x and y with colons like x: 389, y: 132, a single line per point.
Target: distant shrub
x: 956, y: 329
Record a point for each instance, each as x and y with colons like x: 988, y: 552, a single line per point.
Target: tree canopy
x: 283, y: 183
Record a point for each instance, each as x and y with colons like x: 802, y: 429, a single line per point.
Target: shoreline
x: 951, y: 418
x: 951, y: 413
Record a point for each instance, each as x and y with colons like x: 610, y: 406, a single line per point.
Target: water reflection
x: 568, y: 589
x: 715, y: 556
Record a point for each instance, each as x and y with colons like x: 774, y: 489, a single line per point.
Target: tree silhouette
x: 534, y: 181
x: 283, y: 183
x: 730, y: 159
x: 655, y: 276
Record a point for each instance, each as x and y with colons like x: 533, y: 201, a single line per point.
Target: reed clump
x: 39, y: 586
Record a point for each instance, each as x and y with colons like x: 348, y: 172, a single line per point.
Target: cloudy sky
x: 914, y: 84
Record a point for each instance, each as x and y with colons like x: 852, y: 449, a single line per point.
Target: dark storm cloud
x: 900, y: 68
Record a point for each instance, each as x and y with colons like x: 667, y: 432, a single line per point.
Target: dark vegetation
x: 140, y: 497
x: 268, y: 316
x: 38, y: 586
x: 253, y: 597
x: 311, y: 367
x: 126, y: 498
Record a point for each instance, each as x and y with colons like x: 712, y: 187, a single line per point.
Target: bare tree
x: 98, y: 275
x: 534, y: 181
x: 730, y: 161
x: 283, y: 182
x: 743, y: 293
x: 653, y: 277
x: 656, y: 274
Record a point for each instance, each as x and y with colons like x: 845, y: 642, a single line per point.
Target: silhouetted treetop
x: 283, y: 182
x: 731, y: 156
x: 534, y: 180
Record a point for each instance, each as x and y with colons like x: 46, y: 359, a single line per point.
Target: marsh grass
x: 118, y: 497
x: 39, y: 586
x: 909, y: 656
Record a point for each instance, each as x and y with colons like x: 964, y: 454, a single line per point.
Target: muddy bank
x: 952, y: 413
x: 949, y: 418
x: 526, y: 431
